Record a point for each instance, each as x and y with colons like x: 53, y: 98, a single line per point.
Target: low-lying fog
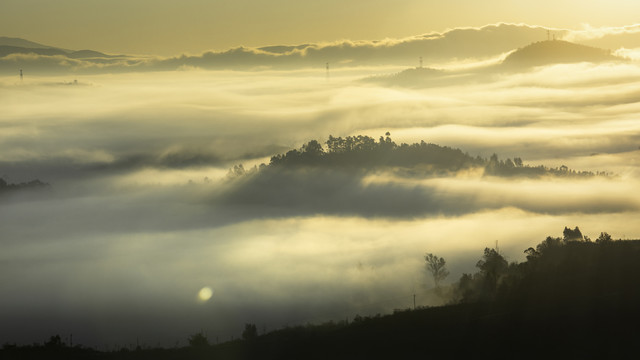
x: 139, y: 216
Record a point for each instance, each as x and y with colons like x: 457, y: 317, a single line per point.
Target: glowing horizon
x: 168, y: 28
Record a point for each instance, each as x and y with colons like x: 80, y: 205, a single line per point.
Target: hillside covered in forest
x: 573, y: 297
x: 363, y: 152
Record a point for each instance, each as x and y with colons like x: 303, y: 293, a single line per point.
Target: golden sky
x: 165, y: 27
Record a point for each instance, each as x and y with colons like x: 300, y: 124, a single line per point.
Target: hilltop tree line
x: 33, y: 184
x: 559, y: 268
x: 364, y: 152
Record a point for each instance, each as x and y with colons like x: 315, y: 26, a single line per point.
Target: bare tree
x: 436, y: 266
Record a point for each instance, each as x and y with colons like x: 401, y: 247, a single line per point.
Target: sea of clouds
x: 141, y: 213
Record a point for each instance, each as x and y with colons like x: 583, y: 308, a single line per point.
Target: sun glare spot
x: 205, y: 293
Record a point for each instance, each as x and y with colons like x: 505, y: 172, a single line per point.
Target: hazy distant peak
x: 17, y: 42
x: 503, y: 29
x: 557, y: 52
x: 479, y: 44
x: 81, y: 54
x: 46, y: 51
x: 282, y: 49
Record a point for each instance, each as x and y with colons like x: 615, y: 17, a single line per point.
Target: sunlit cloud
x: 589, y: 32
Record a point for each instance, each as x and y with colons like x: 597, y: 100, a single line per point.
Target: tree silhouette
x: 55, y: 342
x: 492, y: 266
x: 198, y: 340
x: 250, y: 332
x: 603, y: 238
x: 437, y: 267
x: 313, y: 148
x: 572, y: 235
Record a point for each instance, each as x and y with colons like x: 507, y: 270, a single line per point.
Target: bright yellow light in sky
x: 205, y: 294
x: 166, y: 27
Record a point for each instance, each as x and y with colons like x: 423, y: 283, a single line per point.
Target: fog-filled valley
x: 146, y: 203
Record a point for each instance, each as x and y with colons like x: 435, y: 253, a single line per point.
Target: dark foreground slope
x: 604, y: 328
x: 572, y: 298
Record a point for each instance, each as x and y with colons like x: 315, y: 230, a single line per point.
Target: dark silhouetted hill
x: 364, y: 152
x: 572, y: 298
x: 360, y: 176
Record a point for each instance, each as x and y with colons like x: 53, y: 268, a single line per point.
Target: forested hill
x: 364, y: 152
x: 572, y: 298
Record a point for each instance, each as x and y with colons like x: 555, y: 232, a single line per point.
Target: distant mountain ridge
x: 9, y: 46
x: 6, y: 50
x: 535, y: 54
x: 460, y: 44
x: 17, y: 42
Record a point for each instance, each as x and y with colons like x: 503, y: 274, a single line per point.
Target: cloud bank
x: 436, y: 49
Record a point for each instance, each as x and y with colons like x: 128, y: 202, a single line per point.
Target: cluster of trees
x: 515, y: 167
x: 557, y: 267
x: 33, y: 184
x: 364, y: 152
x: 568, y: 267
